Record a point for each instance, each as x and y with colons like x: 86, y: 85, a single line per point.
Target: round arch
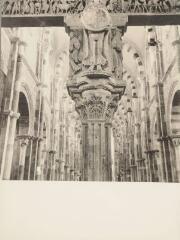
x: 21, y: 139
x: 175, y: 114
x: 29, y: 98
x: 175, y: 86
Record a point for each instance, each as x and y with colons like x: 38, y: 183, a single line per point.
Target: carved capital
x: 176, y: 140
x: 14, y: 115
x: 96, y: 104
x: 24, y: 140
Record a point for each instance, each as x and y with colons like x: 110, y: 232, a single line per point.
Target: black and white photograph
x: 89, y: 119
x: 90, y: 90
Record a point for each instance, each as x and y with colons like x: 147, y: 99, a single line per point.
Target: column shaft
x: 97, y: 164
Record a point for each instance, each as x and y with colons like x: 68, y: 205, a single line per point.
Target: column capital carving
x: 24, y: 139
x: 52, y: 152
x: 97, y: 105
x: 67, y: 166
x: 176, y: 140
x: 15, y: 40
x: 14, y: 114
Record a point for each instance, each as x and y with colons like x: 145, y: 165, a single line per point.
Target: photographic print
x: 90, y: 90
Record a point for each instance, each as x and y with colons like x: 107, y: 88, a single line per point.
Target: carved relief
x: 94, y: 51
x: 96, y: 106
x: 112, y: 106
x: 75, y: 50
x: 117, y: 52
x: 150, y: 6
x: 35, y: 7
x: 44, y: 7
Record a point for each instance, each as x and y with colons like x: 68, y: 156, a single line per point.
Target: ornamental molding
x: 72, y: 7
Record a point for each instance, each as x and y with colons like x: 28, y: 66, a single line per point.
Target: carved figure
x: 75, y: 51
x: 26, y: 7
x: 6, y: 7
x: 16, y: 6
x: 78, y: 6
x: 31, y: 5
x: 159, y: 5
x: 117, y: 52
x: 37, y: 7
x: 149, y: 6
x: 55, y: 6
x: 45, y: 6
x: 114, y: 6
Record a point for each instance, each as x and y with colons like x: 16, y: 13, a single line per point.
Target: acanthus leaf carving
x: 96, y: 106
x: 112, y: 106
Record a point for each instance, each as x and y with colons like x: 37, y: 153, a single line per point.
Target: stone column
x: 95, y: 82
x: 24, y: 141
x: 161, y: 115
x: 40, y: 155
x: 72, y: 174
x: 30, y: 157
x: 67, y: 172
x: 176, y: 44
x: 52, y: 164
x: 13, y: 114
x: 6, y: 114
x: 61, y: 178
x: 176, y: 144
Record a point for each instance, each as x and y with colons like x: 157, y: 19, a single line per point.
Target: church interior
x: 41, y: 129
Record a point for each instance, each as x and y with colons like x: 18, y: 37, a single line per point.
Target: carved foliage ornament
x: 96, y: 107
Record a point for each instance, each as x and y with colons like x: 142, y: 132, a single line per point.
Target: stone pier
x: 95, y: 83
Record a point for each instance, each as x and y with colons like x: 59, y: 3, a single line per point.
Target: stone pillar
x: 176, y: 144
x: 176, y: 44
x: 30, y: 157
x: 67, y: 172
x: 5, y: 116
x: 24, y: 141
x: 163, y: 135
x: 39, y: 156
x: 61, y: 178
x: 43, y: 164
x: 13, y: 114
x: 164, y: 140
x: 52, y: 164
x: 72, y: 174
x: 97, y: 164
x: 95, y: 82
